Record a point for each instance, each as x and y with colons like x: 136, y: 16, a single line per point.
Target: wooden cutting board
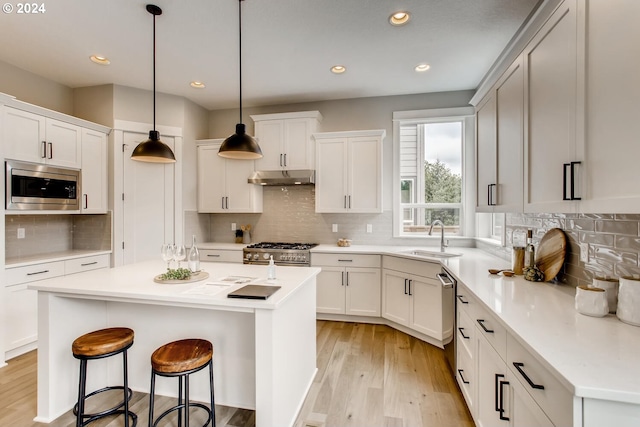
x: 551, y: 252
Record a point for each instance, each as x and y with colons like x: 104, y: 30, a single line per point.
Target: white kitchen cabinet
x: 412, y: 296
x: 348, y: 284
x: 222, y: 183
x: 34, y: 138
x: 466, y: 348
x: 486, y: 153
x: 94, y: 172
x: 285, y: 140
x: 554, y: 93
x: 493, y: 388
x: 349, y: 171
x: 221, y: 255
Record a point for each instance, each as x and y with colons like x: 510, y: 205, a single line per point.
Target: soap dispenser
x: 271, y: 273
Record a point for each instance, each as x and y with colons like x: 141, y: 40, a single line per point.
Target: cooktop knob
x: 255, y: 257
x: 265, y: 256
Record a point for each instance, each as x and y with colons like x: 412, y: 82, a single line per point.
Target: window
x: 430, y: 182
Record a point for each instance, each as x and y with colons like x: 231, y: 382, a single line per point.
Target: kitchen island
x: 264, y: 350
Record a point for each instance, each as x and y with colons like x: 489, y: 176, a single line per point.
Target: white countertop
x: 134, y: 282
x: 594, y: 357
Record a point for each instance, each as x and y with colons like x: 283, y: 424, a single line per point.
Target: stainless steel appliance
x: 283, y: 253
x: 31, y: 186
x: 449, y: 285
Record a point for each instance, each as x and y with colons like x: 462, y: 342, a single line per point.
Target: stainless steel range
x: 283, y: 253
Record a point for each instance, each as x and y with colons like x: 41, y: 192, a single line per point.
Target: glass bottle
x: 193, y: 259
x: 530, y: 251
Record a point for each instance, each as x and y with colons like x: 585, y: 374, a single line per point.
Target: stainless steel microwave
x: 31, y: 186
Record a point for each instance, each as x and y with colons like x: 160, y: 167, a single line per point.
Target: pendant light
x: 153, y: 150
x: 240, y: 145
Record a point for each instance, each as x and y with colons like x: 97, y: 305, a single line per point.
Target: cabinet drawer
x: 466, y: 333
x: 346, y: 260
x: 220, y: 255
x: 489, y: 327
x: 554, y: 399
x: 465, y: 376
x: 31, y: 273
x: 418, y: 268
x: 79, y: 265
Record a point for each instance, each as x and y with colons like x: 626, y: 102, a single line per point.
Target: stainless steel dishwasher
x: 449, y: 285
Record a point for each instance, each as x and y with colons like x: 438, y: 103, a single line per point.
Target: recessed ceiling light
x: 338, y: 69
x: 197, y: 84
x: 422, y: 67
x: 399, y: 18
x: 100, y: 60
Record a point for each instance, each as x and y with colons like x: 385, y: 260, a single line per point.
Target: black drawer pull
x: 481, y: 323
x: 37, y: 272
x: 345, y: 260
x: 519, y: 367
x: 460, y: 371
x: 214, y: 255
x: 462, y: 300
x: 88, y: 263
x: 462, y: 333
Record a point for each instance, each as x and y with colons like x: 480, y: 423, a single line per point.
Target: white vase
x: 629, y: 301
x: 591, y: 301
x: 611, y: 286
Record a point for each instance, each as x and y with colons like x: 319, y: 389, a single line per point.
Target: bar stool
x: 98, y: 345
x: 180, y: 359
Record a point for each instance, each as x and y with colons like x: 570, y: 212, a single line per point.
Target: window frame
x: 467, y: 116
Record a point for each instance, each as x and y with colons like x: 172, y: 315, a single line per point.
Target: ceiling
x: 288, y: 46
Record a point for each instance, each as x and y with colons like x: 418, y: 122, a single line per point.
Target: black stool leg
x: 151, y: 396
x: 180, y: 401
x: 186, y: 400
x: 126, y: 389
x: 213, y: 408
x: 81, y: 392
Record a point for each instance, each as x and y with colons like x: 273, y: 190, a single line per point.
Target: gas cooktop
x: 282, y: 253
x: 280, y: 245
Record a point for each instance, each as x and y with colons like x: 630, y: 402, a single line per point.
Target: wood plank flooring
x: 368, y: 375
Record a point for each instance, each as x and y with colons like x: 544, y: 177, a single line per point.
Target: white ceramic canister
x: 611, y: 286
x: 591, y: 301
x: 629, y: 300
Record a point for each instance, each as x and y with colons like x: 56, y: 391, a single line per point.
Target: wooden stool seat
x: 101, y: 342
x: 181, y: 356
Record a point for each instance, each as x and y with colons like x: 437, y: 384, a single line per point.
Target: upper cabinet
x: 486, y: 154
x: 222, y: 183
x: 285, y: 140
x: 349, y: 171
x: 34, y: 138
x: 94, y: 172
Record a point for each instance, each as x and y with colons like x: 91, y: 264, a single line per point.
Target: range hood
x: 290, y: 177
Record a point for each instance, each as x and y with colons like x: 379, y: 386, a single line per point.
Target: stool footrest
x: 115, y: 410
x: 183, y: 406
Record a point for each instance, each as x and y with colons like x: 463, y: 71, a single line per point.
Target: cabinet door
x: 22, y: 314
x: 298, y: 149
x: 550, y: 62
x: 426, y: 306
x: 94, y: 172
x: 331, y: 175
x: 241, y: 196
x: 526, y: 411
x: 24, y: 136
x: 493, y: 387
x: 509, y: 141
x: 64, y: 143
x: 330, y: 290
x: 270, y: 135
x: 486, y: 154
x: 211, y: 180
x: 395, y: 297
x: 364, y: 186
x: 363, y: 291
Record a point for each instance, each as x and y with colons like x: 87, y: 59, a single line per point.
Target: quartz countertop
x: 593, y: 357
x: 134, y: 282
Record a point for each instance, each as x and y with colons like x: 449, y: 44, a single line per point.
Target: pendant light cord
x: 240, y: 51
x: 154, y: 72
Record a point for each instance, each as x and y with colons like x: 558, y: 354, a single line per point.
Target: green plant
x: 176, y: 274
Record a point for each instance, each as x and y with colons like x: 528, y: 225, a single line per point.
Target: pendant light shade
x: 240, y: 145
x: 153, y: 150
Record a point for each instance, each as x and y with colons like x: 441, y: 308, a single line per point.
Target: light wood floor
x: 368, y: 376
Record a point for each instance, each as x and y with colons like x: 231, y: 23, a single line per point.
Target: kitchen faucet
x: 442, y: 243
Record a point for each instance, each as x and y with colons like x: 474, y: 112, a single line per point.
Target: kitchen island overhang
x: 264, y: 351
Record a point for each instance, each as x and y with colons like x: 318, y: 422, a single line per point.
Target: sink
x: 431, y: 254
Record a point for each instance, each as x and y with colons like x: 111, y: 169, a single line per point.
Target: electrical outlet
x: 233, y: 226
x: 369, y: 228
x: 21, y: 233
x: 334, y: 228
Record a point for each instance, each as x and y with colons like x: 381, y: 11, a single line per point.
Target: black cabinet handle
x: 410, y: 287
x: 460, y: 371
x: 405, y: 287
x: 214, y: 255
x: 462, y: 300
x: 37, y: 272
x: 88, y: 263
x: 572, y: 181
x: 481, y: 323
x: 345, y: 202
x: 462, y: 333
x: 502, y: 410
x: 50, y: 150
x: 86, y: 201
x: 519, y: 367
x: 44, y: 150
x: 490, y: 189
x: 347, y: 278
x: 345, y: 260
x: 343, y: 278
x: 285, y: 160
x: 281, y: 160
x: 496, y: 388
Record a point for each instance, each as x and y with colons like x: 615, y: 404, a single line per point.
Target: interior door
x: 149, y: 199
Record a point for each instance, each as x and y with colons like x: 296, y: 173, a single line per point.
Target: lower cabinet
x: 412, y: 296
x: 220, y: 255
x: 348, y: 284
x: 21, y: 304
